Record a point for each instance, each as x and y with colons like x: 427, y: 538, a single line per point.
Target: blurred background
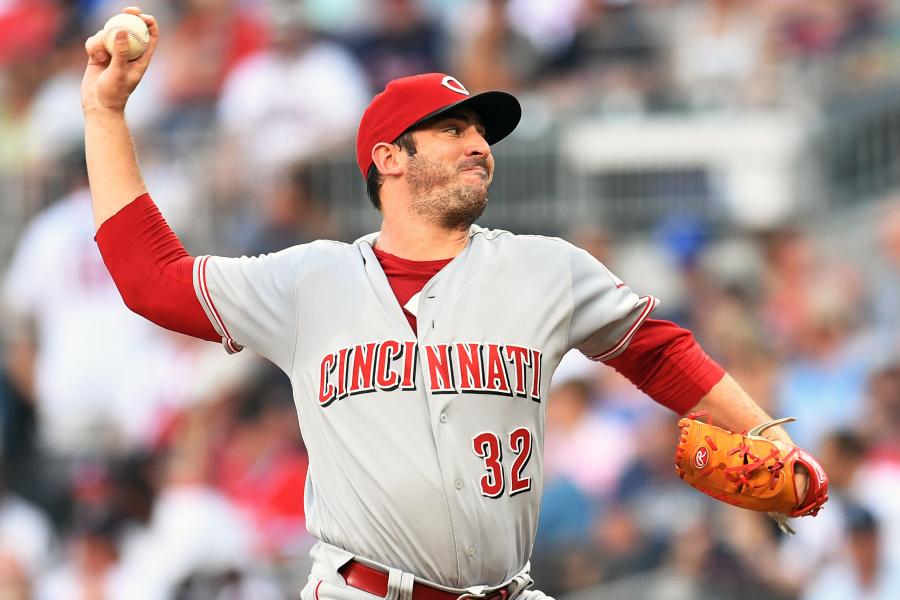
x: 739, y: 159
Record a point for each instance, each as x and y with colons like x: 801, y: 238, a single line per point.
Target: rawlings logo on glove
x: 748, y: 470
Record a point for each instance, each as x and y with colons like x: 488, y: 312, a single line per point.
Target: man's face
x: 451, y: 170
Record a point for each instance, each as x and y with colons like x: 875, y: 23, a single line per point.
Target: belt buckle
x: 472, y: 595
x: 502, y: 594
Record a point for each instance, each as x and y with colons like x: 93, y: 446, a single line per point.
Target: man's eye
x: 452, y: 128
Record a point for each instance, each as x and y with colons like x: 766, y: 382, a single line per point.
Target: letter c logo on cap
x: 453, y: 83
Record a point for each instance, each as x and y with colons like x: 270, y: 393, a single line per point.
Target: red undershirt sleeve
x: 152, y: 270
x: 665, y: 362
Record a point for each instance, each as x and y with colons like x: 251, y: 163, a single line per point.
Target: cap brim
x: 499, y: 112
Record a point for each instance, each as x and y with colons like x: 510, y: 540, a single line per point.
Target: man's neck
x: 421, y: 241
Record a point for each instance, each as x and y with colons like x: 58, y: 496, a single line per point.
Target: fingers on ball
x: 94, y: 47
x: 150, y: 20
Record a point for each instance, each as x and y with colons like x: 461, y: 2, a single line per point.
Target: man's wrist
x: 778, y: 434
x: 101, y: 113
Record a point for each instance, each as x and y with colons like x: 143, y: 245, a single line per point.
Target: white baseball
x: 134, y: 26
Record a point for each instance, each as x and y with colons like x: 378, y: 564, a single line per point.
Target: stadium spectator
x: 262, y: 465
x: 647, y: 487
x: 864, y: 575
x: 882, y: 413
x: 404, y: 39
x: 91, y: 570
x: 721, y: 55
x: 611, y: 63
x: 823, y: 382
x: 57, y: 282
x: 289, y: 214
x: 19, y: 83
x: 578, y: 426
x: 54, y: 127
x: 209, y: 40
x: 26, y: 538
x: 843, y: 453
x: 194, y: 527
x: 294, y: 100
x: 490, y: 54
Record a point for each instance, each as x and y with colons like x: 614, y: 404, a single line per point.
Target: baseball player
x: 420, y: 355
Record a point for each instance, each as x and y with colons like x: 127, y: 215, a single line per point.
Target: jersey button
x: 444, y: 417
x: 459, y: 484
x: 471, y: 551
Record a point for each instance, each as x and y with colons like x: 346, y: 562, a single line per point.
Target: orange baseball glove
x: 748, y: 470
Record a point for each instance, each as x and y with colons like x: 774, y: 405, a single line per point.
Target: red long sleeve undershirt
x: 153, y: 271
x: 154, y: 274
x: 665, y: 362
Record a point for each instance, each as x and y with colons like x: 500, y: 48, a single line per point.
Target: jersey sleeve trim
x: 665, y: 362
x: 209, y: 306
x: 623, y: 342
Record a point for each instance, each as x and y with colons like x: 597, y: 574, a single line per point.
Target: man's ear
x: 387, y: 158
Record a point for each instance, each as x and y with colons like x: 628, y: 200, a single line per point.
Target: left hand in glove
x: 750, y: 471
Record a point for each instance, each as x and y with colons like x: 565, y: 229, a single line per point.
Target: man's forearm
x: 112, y: 166
x: 732, y: 408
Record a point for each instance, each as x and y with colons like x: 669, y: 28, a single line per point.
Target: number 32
x: 488, y: 446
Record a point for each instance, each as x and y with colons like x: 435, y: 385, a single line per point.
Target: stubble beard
x: 439, y: 197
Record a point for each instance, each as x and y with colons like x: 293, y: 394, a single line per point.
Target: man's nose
x: 476, y: 145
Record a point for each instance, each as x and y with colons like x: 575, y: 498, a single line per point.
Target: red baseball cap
x: 408, y: 101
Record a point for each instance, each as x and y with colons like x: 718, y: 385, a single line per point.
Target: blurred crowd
x: 808, y: 334
x: 282, y: 81
x: 137, y: 463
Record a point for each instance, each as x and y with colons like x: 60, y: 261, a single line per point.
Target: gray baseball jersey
x: 425, y: 449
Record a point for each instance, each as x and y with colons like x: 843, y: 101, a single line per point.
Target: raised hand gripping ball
x: 134, y: 26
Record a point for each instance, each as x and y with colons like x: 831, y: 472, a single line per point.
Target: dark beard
x: 467, y: 206
x: 437, y: 198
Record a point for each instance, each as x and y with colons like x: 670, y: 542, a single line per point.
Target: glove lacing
x: 739, y: 474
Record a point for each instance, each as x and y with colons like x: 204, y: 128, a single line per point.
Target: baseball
x: 134, y: 26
